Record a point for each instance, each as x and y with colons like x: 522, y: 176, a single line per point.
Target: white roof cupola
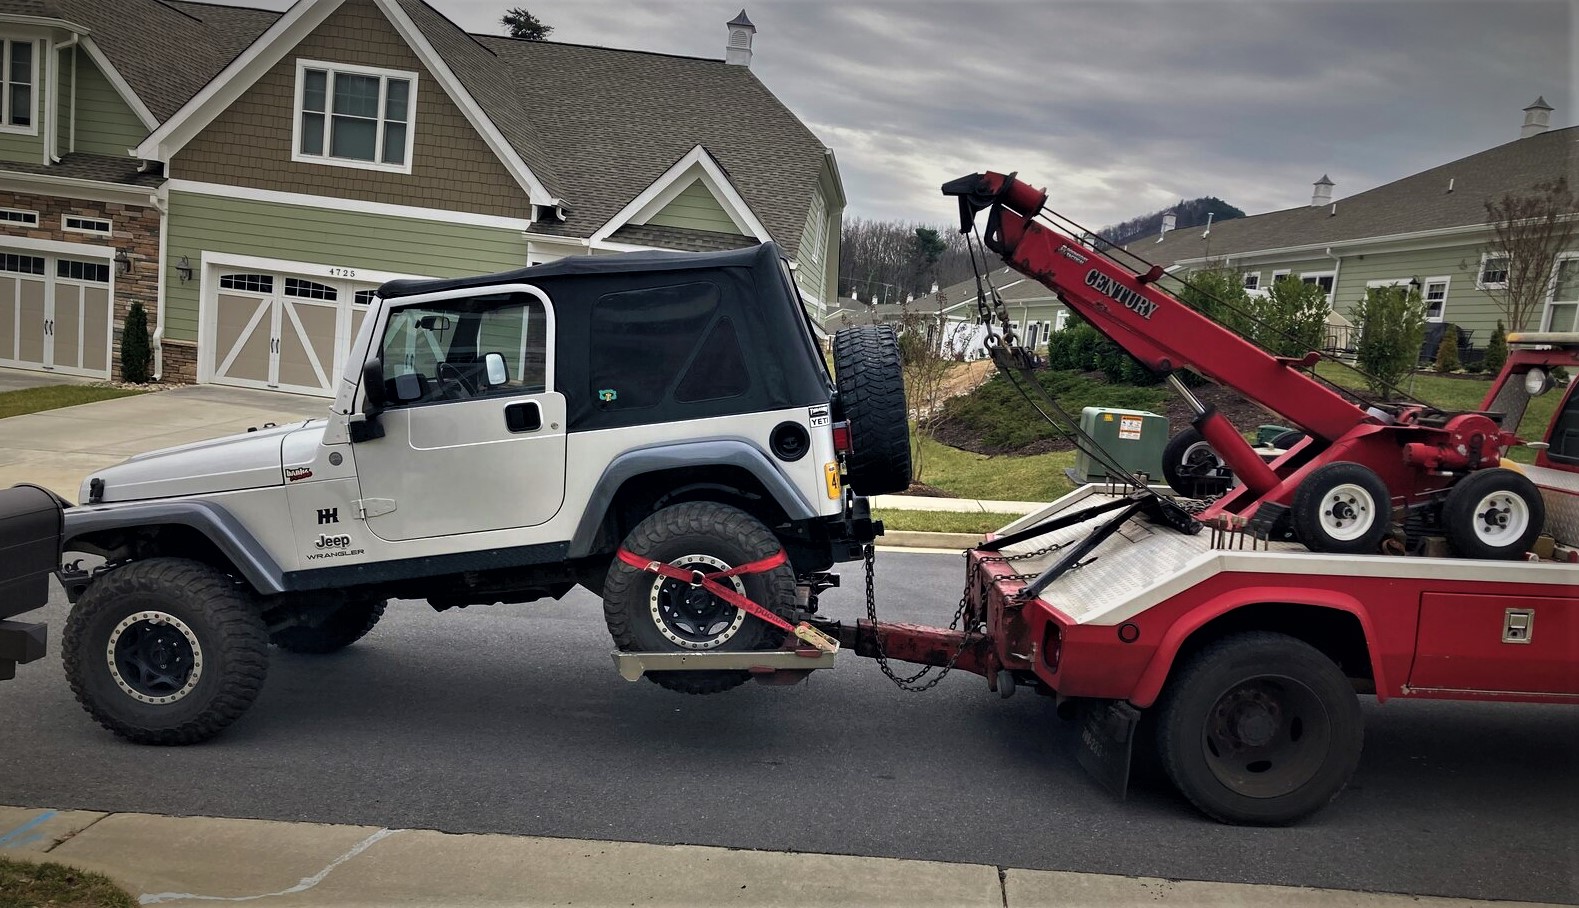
x: 741, y: 34
x: 1322, y: 195
x: 1537, y: 117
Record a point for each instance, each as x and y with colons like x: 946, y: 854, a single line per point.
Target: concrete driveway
x: 17, y: 379
x: 58, y: 449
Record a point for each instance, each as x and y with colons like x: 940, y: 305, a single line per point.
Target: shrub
x: 1392, y: 328
x: 1447, y: 350
x: 1219, y: 294
x: 1496, y: 350
x: 136, y: 349
x: 1000, y: 419
x: 1293, y: 318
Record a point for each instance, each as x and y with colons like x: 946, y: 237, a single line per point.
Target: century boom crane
x: 1340, y: 487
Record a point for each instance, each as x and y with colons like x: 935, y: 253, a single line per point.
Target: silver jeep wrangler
x: 498, y: 439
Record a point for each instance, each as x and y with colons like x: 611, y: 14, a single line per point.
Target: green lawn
x: 963, y: 474
x: 973, y: 522
x: 56, y: 885
x: 1455, y: 393
x: 53, y: 397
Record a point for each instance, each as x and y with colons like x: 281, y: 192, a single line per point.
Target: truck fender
x: 730, y: 452
x: 1149, y: 687
x: 217, y: 524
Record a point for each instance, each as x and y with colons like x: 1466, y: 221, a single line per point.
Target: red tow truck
x: 1393, y: 552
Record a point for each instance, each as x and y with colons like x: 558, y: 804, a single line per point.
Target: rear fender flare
x: 1149, y: 687
x: 246, y: 554
x: 727, y: 452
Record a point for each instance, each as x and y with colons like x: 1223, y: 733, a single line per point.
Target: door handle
x: 525, y: 416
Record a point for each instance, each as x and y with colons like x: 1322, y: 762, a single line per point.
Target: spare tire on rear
x: 872, y: 397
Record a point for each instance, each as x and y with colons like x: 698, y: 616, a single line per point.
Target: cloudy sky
x: 1119, y: 107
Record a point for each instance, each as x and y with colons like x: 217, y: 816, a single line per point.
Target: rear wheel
x: 1259, y: 729
x: 872, y: 397
x: 649, y: 613
x: 1192, y: 468
x: 1493, y: 513
x: 165, y: 651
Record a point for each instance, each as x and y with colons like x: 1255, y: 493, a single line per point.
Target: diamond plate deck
x: 1560, y: 489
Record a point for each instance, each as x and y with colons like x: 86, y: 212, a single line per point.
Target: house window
x: 354, y: 116
x: 1279, y: 275
x: 1322, y: 279
x: 16, y: 216
x: 1434, y: 293
x: 295, y: 286
x: 21, y: 264
x: 1493, y: 272
x: 1252, y: 280
x: 251, y: 283
x: 19, y: 71
x: 364, y: 298
x: 74, y: 224
x: 1562, y: 310
x: 1062, y: 320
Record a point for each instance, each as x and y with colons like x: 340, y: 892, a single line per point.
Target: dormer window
x: 18, y: 76
x: 354, y: 116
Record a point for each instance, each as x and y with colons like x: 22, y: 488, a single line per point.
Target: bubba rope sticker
x: 819, y: 416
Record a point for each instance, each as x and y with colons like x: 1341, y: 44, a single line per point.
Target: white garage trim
x: 55, y: 247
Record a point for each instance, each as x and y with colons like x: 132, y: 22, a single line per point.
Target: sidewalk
x: 193, y: 860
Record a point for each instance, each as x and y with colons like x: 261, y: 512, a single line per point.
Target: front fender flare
x: 250, y: 559
x: 725, y: 452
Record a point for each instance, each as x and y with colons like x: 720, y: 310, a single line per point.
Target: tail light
x: 1052, y: 646
x: 841, y: 437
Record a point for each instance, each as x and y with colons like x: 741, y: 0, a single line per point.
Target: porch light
x: 183, y: 269
x: 123, y: 262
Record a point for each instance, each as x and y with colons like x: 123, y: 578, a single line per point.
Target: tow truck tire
x: 1192, y: 468
x: 1259, y: 729
x: 1494, y: 514
x: 166, y: 651
x: 647, y: 613
x: 346, y: 624
x: 1344, y: 508
x: 871, y: 386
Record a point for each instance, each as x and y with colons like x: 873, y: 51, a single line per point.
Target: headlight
x: 1537, y: 381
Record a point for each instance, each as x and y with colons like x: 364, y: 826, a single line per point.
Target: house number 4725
x: 342, y: 272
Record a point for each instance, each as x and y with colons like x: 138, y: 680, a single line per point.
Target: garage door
x: 281, y: 331
x: 55, y: 313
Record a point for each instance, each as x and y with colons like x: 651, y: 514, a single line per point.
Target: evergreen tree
x: 1496, y: 349
x: 136, y: 350
x: 524, y: 25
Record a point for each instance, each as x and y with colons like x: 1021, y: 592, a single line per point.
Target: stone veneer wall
x: 135, y: 228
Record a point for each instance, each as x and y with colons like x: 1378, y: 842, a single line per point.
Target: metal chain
x: 911, y: 683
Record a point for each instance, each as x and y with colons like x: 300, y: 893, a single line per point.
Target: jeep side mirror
x: 364, y: 426
x: 495, y: 371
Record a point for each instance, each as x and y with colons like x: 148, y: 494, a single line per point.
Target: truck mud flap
x: 1107, y: 740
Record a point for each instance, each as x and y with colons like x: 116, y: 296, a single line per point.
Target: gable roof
x: 1011, y: 285
x: 1414, y: 204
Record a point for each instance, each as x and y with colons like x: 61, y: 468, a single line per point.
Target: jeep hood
x: 249, y: 460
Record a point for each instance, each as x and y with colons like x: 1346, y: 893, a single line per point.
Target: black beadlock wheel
x: 335, y: 629
x: 165, y: 651
x: 1192, y: 468
x: 649, y: 613
x: 1342, y: 507
x: 1495, y: 514
x: 1259, y: 729
x: 871, y: 386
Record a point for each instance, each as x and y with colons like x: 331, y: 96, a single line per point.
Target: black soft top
x: 651, y: 337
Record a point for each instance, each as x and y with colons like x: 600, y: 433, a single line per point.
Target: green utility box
x: 1266, y: 433
x: 1135, y: 438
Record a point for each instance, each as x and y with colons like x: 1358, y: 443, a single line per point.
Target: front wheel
x: 649, y: 613
x: 1342, y: 507
x: 1259, y: 729
x: 165, y: 651
x: 1192, y: 468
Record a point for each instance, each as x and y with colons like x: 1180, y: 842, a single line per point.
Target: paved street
x: 510, y: 719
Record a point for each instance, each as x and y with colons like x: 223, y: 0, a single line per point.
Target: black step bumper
x: 19, y: 644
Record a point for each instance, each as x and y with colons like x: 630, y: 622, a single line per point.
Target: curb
x: 918, y: 539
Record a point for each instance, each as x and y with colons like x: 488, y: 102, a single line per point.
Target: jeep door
x: 466, y: 448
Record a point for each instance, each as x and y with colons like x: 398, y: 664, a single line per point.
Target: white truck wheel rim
x: 1501, y: 518
x: 1347, y: 512
x: 718, y: 631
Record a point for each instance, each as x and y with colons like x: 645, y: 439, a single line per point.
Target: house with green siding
x: 307, y: 156
x: 1429, y: 230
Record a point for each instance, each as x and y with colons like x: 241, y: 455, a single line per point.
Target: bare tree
x: 1529, y: 230
x: 928, y: 359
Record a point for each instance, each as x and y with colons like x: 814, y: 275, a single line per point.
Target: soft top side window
x: 644, y: 341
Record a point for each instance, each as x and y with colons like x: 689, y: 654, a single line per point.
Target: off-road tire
x: 706, y: 528
x: 1320, y: 527
x: 1496, y: 489
x: 1188, y: 444
x: 871, y: 386
x: 232, y: 649
x: 340, y: 628
x: 1329, y: 726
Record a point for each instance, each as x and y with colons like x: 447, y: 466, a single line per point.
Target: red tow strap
x: 710, y: 582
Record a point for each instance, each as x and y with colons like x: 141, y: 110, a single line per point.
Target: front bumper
x: 20, y: 643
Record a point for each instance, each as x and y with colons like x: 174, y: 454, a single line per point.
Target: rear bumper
x: 20, y: 643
